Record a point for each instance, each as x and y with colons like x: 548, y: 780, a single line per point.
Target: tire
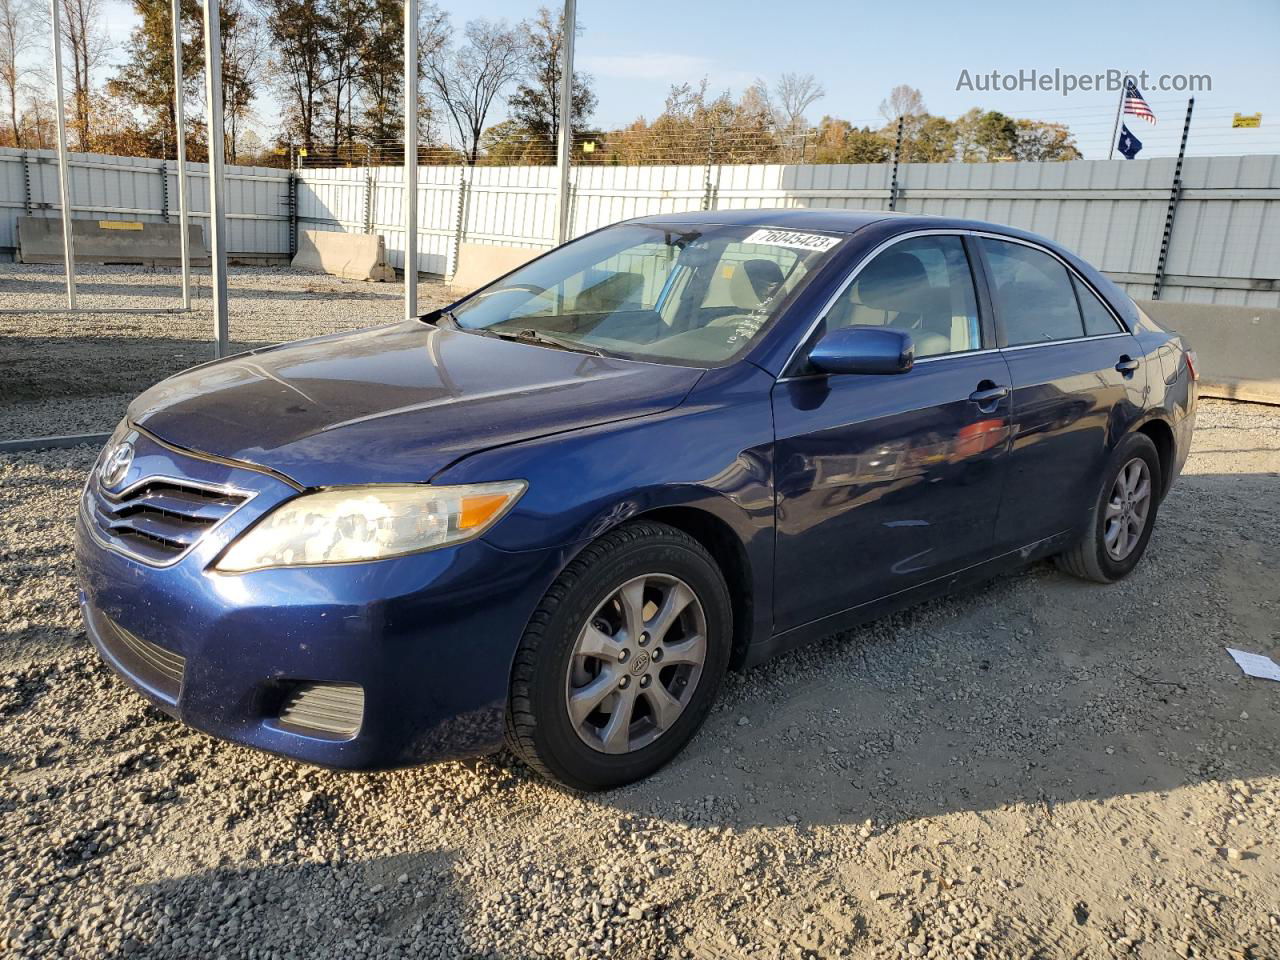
x: 1091, y: 558
x: 551, y: 669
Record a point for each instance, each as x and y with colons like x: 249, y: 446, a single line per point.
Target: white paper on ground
x: 1255, y: 664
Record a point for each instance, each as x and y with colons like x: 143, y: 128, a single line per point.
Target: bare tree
x: 467, y: 79
x: 786, y: 104
x: 244, y: 56
x: 903, y: 101
x: 82, y: 29
x: 17, y: 35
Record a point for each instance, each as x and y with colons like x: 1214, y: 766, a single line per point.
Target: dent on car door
x: 884, y: 482
x: 1079, y: 380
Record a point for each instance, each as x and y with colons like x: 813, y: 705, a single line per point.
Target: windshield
x: 690, y: 294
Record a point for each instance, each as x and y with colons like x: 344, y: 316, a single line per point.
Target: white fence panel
x: 1225, y: 244
x: 135, y: 188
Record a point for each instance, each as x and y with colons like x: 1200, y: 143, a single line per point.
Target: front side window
x: 1033, y: 293
x: 922, y: 285
x: 696, y: 294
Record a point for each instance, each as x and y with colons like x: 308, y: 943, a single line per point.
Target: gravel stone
x: 971, y: 810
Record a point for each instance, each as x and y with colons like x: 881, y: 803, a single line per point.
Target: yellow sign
x: 1247, y: 120
x: 589, y: 146
x: 302, y: 152
x: 119, y: 225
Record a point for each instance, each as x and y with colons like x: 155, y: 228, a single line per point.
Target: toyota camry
x: 553, y: 514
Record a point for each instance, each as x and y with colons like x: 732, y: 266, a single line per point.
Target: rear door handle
x: 1126, y: 364
x: 989, y: 395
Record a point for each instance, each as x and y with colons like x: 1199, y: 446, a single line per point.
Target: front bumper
x: 428, y: 638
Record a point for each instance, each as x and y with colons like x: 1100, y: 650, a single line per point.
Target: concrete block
x: 1238, y: 347
x: 110, y: 241
x: 355, y: 256
x: 481, y: 263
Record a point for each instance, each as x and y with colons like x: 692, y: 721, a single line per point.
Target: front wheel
x: 621, y: 661
x: 1122, y: 516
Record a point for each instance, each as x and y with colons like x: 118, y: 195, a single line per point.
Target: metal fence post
x: 291, y: 201
x: 26, y: 183
x: 1175, y: 192
x: 893, y: 179
x: 369, y: 186
x: 706, y: 184
x: 459, y: 222
x: 164, y: 191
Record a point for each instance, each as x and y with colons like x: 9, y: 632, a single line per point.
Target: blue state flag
x: 1129, y: 145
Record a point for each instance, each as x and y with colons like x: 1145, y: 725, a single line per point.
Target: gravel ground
x: 1040, y: 768
x: 65, y: 373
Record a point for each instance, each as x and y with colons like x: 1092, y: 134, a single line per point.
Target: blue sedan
x: 555, y: 513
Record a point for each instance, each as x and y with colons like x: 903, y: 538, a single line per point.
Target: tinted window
x: 922, y: 285
x: 1033, y: 294
x: 1097, y: 318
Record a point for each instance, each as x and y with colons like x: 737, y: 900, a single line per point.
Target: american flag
x: 1135, y: 104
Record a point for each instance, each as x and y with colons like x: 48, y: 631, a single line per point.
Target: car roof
x: 824, y: 218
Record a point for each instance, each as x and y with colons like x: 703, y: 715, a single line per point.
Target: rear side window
x: 1097, y: 318
x: 1033, y: 294
x: 922, y: 285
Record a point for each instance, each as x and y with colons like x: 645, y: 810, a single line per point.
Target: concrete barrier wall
x: 355, y: 256
x: 479, y: 263
x: 1238, y: 347
x: 110, y: 241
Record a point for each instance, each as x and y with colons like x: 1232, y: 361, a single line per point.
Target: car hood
x: 397, y: 403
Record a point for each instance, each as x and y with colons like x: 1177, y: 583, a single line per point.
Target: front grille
x: 159, y: 519
x: 324, y: 709
x: 147, y: 662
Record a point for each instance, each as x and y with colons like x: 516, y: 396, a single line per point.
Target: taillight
x: 1191, y: 364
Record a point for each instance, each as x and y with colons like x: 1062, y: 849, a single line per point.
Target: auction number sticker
x: 790, y: 238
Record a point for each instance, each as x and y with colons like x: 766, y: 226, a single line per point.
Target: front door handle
x: 986, y: 397
x: 1126, y: 365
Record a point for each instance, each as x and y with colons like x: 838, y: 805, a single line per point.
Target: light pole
x: 565, y: 144
x: 411, y: 159
x: 179, y: 123
x: 217, y: 211
x: 64, y: 184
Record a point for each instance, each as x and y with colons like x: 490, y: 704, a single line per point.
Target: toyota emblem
x: 116, y: 464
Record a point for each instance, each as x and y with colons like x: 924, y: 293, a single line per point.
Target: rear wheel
x: 1122, y: 517
x: 621, y: 661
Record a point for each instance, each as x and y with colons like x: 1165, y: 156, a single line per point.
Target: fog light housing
x: 332, y: 711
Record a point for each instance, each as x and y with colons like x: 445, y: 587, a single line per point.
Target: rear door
x: 1078, y: 382
x: 884, y: 482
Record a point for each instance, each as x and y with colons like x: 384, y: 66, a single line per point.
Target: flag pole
x: 1115, y: 130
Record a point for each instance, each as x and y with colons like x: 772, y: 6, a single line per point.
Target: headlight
x: 349, y: 524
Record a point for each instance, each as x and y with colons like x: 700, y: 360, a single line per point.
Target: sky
x: 858, y: 51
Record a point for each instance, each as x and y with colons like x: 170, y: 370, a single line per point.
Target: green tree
x: 535, y: 106
x: 300, y: 33
x: 1042, y: 141
x: 839, y: 141
x: 145, y: 79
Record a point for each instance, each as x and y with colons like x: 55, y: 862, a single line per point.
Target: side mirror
x: 863, y: 349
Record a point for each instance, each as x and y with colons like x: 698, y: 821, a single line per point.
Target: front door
x: 884, y: 482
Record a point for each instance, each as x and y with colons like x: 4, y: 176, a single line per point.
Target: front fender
x: 713, y: 454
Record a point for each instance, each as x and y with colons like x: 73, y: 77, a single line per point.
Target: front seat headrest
x: 753, y: 282
x: 895, y: 281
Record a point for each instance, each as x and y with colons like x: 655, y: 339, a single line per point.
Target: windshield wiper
x: 549, y: 339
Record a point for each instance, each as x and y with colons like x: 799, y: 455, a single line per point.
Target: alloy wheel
x: 636, y: 664
x: 1128, y: 506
